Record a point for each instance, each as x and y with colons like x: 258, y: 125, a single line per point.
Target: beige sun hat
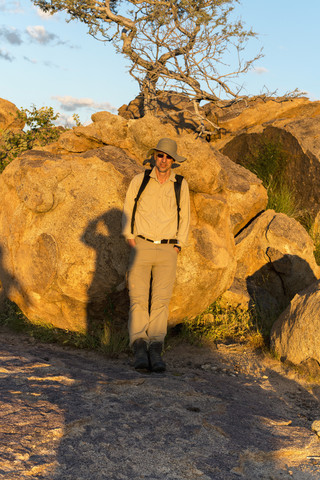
x: 168, y: 146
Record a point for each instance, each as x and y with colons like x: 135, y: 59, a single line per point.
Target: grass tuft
x: 223, y: 323
x: 313, y: 229
x: 282, y: 199
x: 108, y: 339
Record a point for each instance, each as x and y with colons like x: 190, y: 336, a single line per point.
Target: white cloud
x: 42, y: 14
x: 40, y: 35
x: 51, y: 64
x: 10, y: 6
x: 311, y: 96
x: 65, y: 120
x: 260, y: 70
x: 46, y: 63
x: 11, y: 34
x: 70, y: 104
x: 31, y: 60
x: 5, y: 55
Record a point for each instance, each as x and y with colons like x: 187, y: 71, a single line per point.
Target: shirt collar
x: 172, y: 177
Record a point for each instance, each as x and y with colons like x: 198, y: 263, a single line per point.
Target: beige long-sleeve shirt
x: 156, y: 214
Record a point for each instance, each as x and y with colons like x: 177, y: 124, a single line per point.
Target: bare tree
x: 180, y: 45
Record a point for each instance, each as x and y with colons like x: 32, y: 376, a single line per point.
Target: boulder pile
x: 63, y: 259
x: 60, y: 234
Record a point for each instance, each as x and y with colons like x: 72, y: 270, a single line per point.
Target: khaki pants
x: 160, y: 261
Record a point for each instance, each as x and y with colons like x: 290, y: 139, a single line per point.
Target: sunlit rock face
x: 295, y: 335
x: 8, y: 117
x: 274, y: 262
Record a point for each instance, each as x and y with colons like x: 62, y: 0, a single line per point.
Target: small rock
x: 206, y: 366
x: 315, y: 427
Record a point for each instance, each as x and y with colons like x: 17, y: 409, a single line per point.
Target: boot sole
x: 158, y: 369
x: 141, y: 366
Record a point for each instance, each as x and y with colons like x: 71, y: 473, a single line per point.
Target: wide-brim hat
x: 168, y: 146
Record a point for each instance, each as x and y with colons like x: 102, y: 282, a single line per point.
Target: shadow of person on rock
x: 273, y: 286
x: 108, y: 301
x: 9, y: 284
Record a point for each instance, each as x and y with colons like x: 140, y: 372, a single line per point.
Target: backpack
x: 144, y: 183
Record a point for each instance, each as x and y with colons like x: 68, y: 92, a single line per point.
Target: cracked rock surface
x: 221, y: 414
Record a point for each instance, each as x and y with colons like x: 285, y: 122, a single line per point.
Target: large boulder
x: 295, y: 336
x: 250, y: 115
x: 60, y: 236
x: 245, y: 194
x: 274, y: 262
x: 8, y: 117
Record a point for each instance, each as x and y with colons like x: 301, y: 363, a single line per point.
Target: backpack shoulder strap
x: 143, y: 185
x: 177, y: 191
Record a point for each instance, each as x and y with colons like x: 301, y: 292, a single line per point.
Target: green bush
x: 39, y: 131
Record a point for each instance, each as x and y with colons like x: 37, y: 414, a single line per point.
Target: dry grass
x: 223, y: 323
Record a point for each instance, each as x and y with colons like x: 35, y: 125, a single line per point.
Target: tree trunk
x: 148, y: 90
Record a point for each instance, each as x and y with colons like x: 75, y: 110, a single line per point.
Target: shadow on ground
x: 221, y: 414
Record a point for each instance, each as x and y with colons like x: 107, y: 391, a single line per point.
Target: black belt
x: 165, y: 240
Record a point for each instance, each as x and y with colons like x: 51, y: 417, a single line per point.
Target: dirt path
x: 219, y: 414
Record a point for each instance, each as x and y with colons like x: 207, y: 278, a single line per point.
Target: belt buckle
x: 158, y: 242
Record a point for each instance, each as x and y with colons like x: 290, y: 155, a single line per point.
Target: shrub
x: 39, y: 131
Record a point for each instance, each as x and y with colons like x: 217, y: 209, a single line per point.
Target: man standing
x: 155, y: 222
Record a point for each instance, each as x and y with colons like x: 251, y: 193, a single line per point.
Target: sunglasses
x: 162, y: 155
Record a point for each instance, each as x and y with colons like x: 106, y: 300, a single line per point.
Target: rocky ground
x: 221, y: 414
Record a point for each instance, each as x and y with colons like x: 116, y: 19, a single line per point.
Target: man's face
x: 163, y: 162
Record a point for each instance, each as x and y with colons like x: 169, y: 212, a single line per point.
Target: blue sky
x: 47, y: 62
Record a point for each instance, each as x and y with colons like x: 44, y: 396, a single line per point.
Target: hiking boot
x: 156, y: 362
x: 140, y: 350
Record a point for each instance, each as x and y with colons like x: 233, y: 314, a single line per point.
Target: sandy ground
x: 217, y: 413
